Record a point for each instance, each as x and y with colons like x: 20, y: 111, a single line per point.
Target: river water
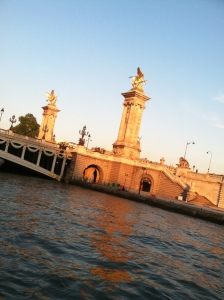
x: 59, y: 241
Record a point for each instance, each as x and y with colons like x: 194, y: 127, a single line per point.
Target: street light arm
x: 210, y: 160
x: 186, y: 147
x: 2, y: 111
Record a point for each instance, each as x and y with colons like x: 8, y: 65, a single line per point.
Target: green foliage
x: 28, y: 126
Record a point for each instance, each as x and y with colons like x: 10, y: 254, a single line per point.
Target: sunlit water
x: 59, y: 241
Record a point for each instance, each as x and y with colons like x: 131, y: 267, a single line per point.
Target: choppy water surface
x: 60, y: 241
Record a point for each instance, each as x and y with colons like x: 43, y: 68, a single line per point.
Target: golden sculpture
x: 51, y: 97
x: 138, y: 80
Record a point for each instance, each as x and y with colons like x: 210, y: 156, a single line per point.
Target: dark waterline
x: 59, y: 241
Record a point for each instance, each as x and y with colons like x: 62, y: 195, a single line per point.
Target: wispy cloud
x: 219, y: 125
x: 214, y: 120
x: 220, y: 98
x: 211, y: 117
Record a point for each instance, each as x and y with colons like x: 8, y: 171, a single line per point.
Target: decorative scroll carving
x: 32, y: 149
x: 48, y: 153
x: 17, y: 146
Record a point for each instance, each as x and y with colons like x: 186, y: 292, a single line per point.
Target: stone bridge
x: 44, y: 157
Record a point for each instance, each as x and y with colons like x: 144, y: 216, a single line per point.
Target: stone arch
x: 93, y: 173
x: 147, y: 183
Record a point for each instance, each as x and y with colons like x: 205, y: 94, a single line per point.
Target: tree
x: 28, y: 126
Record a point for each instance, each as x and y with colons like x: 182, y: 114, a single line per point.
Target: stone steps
x: 221, y: 196
x: 202, y: 201
x: 169, y: 189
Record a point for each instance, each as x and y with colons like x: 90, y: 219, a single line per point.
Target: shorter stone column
x: 191, y: 193
x: 7, y: 146
x: 39, y: 157
x: 53, y: 163
x: 63, y: 166
x: 23, y: 153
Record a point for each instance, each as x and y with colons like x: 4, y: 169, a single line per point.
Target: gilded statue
x: 51, y: 98
x: 138, y: 80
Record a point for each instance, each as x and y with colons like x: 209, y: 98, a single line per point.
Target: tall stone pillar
x: 48, y: 120
x: 128, y: 142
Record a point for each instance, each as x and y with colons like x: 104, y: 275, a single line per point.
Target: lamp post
x: 45, y: 129
x: 12, y: 120
x: 89, y: 136
x: 83, y: 133
x: 143, y: 169
x: 125, y: 179
x: 2, y: 111
x: 186, y: 147
x: 210, y: 160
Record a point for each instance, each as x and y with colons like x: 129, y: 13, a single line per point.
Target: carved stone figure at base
x: 183, y: 163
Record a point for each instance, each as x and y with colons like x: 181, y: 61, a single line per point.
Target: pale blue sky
x: 86, y: 50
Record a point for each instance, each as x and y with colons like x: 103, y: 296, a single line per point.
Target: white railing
x: 175, y: 178
x: 205, y: 177
x: 24, y: 163
x: 24, y: 139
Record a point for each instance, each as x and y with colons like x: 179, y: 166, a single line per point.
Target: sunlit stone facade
x: 48, y: 121
x: 123, y: 166
x: 128, y: 141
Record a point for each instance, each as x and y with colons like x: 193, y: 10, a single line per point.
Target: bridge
x: 47, y: 158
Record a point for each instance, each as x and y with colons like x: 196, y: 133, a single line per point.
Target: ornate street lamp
x: 45, y: 129
x: 83, y: 133
x: 125, y: 179
x: 210, y: 160
x: 12, y: 120
x: 141, y: 182
x: 2, y: 111
x: 186, y: 147
x: 89, y: 136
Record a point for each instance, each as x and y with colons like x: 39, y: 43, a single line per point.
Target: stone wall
x: 205, y: 187
x: 119, y: 170
x: 169, y: 189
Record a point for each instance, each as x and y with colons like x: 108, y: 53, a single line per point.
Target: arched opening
x: 146, y: 184
x: 92, y: 173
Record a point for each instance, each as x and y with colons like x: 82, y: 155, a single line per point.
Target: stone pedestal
x: 128, y: 141
x: 182, y: 171
x: 48, y: 121
x: 191, y: 193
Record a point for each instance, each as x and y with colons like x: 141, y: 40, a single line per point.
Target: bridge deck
x: 44, y: 157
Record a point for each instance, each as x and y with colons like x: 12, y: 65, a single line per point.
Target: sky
x: 86, y: 50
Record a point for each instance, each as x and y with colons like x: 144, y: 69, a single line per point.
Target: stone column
x: 139, y: 112
x: 63, y: 166
x: 191, y: 193
x: 124, y: 121
x: 127, y: 143
x: 39, y: 157
x: 49, y: 117
x: 54, y: 162
x: 7, y: 146
x: 23, y: 153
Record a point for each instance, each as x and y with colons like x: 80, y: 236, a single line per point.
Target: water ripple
x: 63, y: 242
